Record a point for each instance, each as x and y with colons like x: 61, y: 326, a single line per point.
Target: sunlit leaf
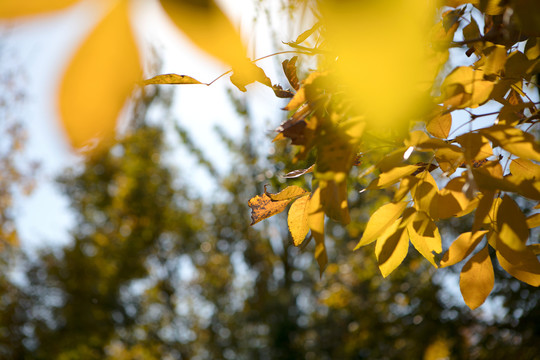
x: 533, y: 221
x: 513, y: 140
x: 14, y: 8
x: 297, y: 220
x: 425, y: 193
x: 391, y: 248
x: 379, y: 221
x: 425, y: 236
x: 247, y: 74
x: 99, y: 79
x: 289, y: 193
x: 512, y: 224
x: 451, y: 200
x: 392, y: 176
x: 465, y: 87
x: 525, y: 169
x: 475, y: 146
x: 172, y: 79
x: 523, y: 265
x: 439, y: 126
x: 462, y: 247
x: 334, y: 200
x: 262, y: 207
x: 495, y: 59
x: 303, y: 36
x: 316, y: 225
x: 477, y: 279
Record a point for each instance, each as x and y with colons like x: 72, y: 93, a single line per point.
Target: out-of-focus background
x: 145, y: 251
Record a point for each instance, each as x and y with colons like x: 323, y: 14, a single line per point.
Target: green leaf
x: 477, y: 279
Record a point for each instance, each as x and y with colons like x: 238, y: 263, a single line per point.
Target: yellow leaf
x: 99, y: 79
x: 262, y: 207
x: 476, y: 147
x: 392, y: 176
x: 172, y: 79
x: 512, y: 224
x: 465, y: 87
x: 379, y: 221
x: 513, y: 140
x: 209, y: 28
x: 289, y: 193
x: 440, y: 125
x: 316, y: 225
x: 425, y: 236
x: 14, y: 8
x: 425, y: 193
x: 462, y: 247
x: 525, y: 169
x: 533, y: 221
x: 298, y: 220
x: 449, y: 159
x: 391, y: 248
x: 495, y: 59
x: 334, y: 200
x: 523, y: 265
x: 477, y: 279
x: 451, y: 200
x: 406, y: 184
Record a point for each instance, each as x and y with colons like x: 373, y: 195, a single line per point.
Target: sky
x: 44, y: 45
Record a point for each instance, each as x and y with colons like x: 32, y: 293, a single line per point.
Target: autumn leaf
x: 13, y: 8
x: 462, y: 247
x: 440, y: 125
x: 172, y: 79
x: 316, y: 225
x: 303, y: 36
x: 289, y: 193
x: 99, y: 79
x: 475, y: 146
x: 289, y: 68
x: 523, y: 265
x: 379, y: 221
x: 512, y: 224
x: 425, y: 236
x: 477, y: 279
x: 247, y: 74
x: 208, y: 27
x: 513, y: 140
x: 392, y: 176
x: 392, y: 247
x: 297, y: 220
x: 465, y: 87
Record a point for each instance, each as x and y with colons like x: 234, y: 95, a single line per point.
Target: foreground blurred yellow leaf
x: 375, y: 41
x: 207, y: 26
x: 99, y: 79
x: 14, y: 8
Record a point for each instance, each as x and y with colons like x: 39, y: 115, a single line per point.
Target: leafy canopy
x: 381, y: 101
